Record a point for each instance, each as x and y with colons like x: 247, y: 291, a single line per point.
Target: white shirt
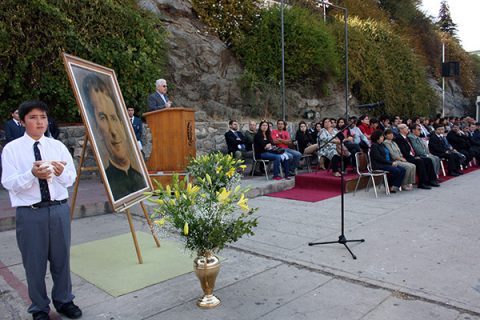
x: 17, y: 162
x: 162, y: 96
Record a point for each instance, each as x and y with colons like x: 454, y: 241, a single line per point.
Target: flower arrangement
x: 210, y: 212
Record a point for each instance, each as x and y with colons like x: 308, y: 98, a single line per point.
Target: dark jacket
x: 459, y: 142
x: 137, y: 128
x: 304, y: 139
x: 379, y: 156
x: 404, y: 147
x: 233, y: 142
x: 155, y: 101
x: 260, y: 143
x: 12, y: 131
x: 437, y: 146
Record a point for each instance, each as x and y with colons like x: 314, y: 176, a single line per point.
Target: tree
x: 445, y: 22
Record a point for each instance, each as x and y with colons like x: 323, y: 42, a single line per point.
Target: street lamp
x: 283, y: 62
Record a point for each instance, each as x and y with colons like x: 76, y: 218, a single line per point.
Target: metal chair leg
x: 266, y: 169
x: 356, y: 187
x: 374, y: 187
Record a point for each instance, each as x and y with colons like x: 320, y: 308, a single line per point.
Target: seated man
x: 236, y: 142
x: 460, y: 142
x: 282, y: 139
x: 425, y: 171
x: 439, y: 146
x: 250, y: 134
x: 474, y: 138
x: 420, y: 146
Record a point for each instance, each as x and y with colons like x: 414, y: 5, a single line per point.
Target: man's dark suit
x: 474, y: 138
x: 155, y: 101
x: 137, y: 127
x: 441, y: 149
x: 460, y: 143
x: 13, y: 131
x: 425, y: 170
x: 233, y: 141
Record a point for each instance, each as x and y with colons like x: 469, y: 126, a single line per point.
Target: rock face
x: 204, y: 75
x: 456, y: 103
x: 203, y: 71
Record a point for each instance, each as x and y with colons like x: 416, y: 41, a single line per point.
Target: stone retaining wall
x: 209, y: 137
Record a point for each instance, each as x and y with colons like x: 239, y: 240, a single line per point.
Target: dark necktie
x: 45, y: 193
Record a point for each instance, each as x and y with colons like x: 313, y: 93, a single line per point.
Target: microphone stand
x: 341, y: 239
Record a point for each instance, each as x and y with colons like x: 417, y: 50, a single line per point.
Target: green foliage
x: 229, y: 19
x: 206, y: 213
x: 401, y: 11
x: 445, y: 21
x: 310, y: 56
x: 383, y: 68
x: 115, y: 33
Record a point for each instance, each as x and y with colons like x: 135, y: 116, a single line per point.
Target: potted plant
x: 210, y: 211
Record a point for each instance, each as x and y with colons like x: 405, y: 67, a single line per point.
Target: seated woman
x: 364, y: 125
x: 328, y: 147
x: 263, y: 145
x: 396, y: 155
x: 380, y: 157
x: 349, y: 142
x: 306, y: 143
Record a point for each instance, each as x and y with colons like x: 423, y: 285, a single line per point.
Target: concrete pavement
x: 419, y: 261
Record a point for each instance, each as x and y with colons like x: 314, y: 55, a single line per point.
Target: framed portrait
x: 109, y: 131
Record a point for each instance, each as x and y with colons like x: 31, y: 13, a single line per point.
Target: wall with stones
x: 209, y: 135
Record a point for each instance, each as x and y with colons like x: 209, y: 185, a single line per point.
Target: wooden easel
x: 127, y: 207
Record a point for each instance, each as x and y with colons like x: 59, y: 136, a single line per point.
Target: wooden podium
x: 173, y: 142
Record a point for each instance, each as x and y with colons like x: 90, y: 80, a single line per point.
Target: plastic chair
x: 364, y: 169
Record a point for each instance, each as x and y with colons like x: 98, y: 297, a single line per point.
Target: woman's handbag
x: 276, y: 150
x: 342, y: 150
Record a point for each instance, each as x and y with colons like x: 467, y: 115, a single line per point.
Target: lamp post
x: 325, y: 4
x: 283, y: 62
x: 443, y: 81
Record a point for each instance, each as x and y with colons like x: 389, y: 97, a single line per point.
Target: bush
x: 229, y: 19
x: 383, y: 68
x: 116, y: 34
x: 310, y: 56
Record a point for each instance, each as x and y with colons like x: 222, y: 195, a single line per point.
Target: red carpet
x: 321, y: 185
x: 468, y: 170
x: 313, y: 187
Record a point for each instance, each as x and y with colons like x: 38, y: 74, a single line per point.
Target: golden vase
x: 206, y: 267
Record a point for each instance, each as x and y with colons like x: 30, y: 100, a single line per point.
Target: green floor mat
x: 111, y: 264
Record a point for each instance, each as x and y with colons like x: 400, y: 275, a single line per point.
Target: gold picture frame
x: 104, y: 113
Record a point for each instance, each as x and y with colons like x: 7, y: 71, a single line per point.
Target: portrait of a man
x: 122, y: 177
x: 113, y: 141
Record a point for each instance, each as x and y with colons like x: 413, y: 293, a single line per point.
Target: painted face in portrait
x: 110, y: 127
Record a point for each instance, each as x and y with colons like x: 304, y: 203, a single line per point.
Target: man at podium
x: 122, y: 176
x: 159, y: 99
